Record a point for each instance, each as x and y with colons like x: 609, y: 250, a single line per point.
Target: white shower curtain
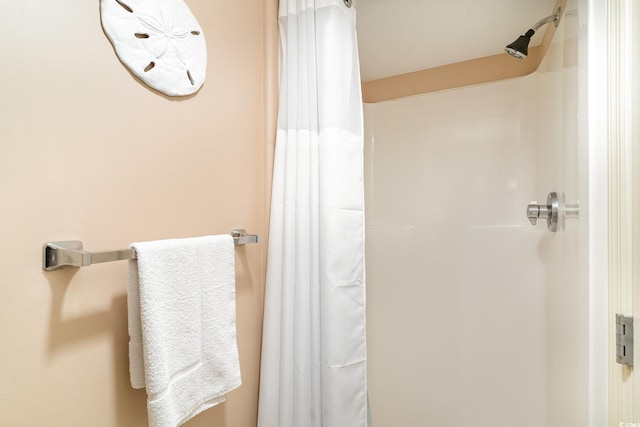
x: 314, y: 353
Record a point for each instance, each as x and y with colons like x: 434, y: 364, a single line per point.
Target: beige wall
x: 89, y: 153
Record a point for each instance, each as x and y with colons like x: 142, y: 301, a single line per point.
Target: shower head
x: 520, y: 48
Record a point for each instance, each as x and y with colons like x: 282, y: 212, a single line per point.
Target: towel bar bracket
x: 70, y: 253
x: 57, y: 255
x: 240, y: 237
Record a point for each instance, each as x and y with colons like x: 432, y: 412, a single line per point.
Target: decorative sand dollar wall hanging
x: 159, y: 41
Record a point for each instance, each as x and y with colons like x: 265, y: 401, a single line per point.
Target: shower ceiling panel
x: 401, y: 36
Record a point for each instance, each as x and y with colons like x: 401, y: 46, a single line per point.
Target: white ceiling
x: 400, y: 36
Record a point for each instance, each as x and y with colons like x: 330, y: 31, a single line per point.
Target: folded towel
x: 182, y: 326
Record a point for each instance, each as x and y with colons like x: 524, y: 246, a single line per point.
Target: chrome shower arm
x: 552, y: 18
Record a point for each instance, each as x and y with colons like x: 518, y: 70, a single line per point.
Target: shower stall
x: 475, y: 315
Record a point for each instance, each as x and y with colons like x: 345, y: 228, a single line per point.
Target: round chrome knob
x: 555, y: 211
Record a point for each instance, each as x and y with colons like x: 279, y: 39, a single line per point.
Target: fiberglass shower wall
x: 475, y: 316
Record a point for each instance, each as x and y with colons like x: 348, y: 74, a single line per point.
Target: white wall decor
x: 159, y: 41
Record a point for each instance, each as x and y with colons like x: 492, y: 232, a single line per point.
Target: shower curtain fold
x: 313, y: 369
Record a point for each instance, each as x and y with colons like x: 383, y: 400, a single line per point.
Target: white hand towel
x: 182, y: 326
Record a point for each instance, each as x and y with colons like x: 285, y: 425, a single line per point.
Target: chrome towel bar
x: 56, y: 255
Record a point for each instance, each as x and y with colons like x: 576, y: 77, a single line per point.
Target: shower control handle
x: 548, y: 212
x: 535, y: 211
x: 555, y: 211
